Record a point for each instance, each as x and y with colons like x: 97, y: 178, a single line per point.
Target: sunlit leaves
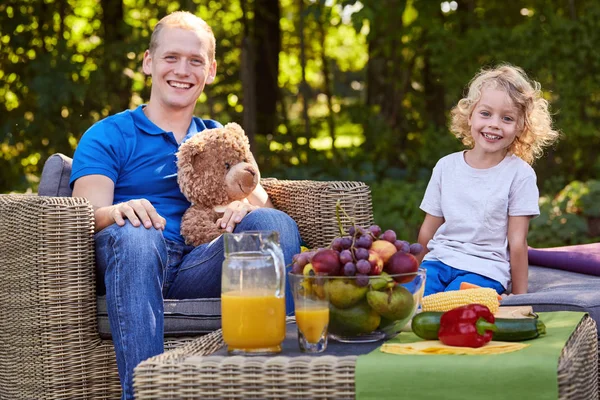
x: 56, y: 70
x: 347, y: 48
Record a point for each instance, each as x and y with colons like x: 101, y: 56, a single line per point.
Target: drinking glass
x: 253, y: 293
x: 312, y: 312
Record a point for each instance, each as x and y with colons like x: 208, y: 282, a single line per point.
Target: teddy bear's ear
x: 236, y: 128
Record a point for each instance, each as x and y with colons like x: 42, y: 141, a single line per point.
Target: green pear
x: 355, y: 320
x: 380, y: 281
x: 344, y: 293
x: 392, y: 304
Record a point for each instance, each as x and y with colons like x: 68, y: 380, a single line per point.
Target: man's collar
x: 143, y: 123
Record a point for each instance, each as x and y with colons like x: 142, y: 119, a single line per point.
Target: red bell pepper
x: 467, y: 326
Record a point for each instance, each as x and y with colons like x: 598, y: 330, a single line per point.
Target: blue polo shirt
x: 140, y: 159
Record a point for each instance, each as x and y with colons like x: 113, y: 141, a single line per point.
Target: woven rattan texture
x: 312, y: 205
x: 578, y: 365
x: 180, y: 374
x: 49, y: 343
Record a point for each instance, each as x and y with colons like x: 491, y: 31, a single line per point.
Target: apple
x: 384, y: 248
x: 376, y: 262
x: 402, y: 263
x: 326, y: 262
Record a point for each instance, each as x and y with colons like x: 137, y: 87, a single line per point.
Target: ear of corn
x: 467, y: 286
x: 446, y: 301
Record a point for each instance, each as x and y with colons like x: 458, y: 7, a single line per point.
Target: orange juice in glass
x: 312, y: 322
x: 312, y: 312
x: 253, y: 321
x: 253, y: 293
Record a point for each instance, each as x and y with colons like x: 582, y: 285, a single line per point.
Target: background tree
x: 329, y: 89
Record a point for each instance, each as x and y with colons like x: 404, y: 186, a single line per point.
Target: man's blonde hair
x: 534, y: 120
x: 183, y: 20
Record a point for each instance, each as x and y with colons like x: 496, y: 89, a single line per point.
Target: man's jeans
x: 141, y: 268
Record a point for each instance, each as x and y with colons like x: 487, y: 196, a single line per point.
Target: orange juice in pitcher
x: 253, y: 293
x: 253, y: 320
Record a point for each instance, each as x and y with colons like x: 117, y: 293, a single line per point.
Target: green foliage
x: 565, y: 218
x: 590, y: 199
x: 381, y: 76
x: 554, y: 227
x: 396, y: 206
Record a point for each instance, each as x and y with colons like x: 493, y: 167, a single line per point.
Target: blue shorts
x: 442, y: 278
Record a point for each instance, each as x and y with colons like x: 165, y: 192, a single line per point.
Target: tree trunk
x: 248, y: 75
x: 435, y: 105
x: 327, y: 80
x: 114, y: 60
x: 388, y: 75
x: 304, y: 88
x: 267, y: 42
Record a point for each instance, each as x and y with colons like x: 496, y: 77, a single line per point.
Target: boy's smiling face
x: 180, y: 67
x: 495, y: 122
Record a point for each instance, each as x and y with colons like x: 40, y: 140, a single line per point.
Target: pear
x: 355, y: 320
x: 344, y: 293
x: 392, y: 304
x: 381, y: 282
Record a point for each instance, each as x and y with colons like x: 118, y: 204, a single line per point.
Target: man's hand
x: 99, y: 190
x: 234, y: 213
x: 137, y: 211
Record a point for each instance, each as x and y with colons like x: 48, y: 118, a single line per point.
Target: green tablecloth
x: 528, y: 373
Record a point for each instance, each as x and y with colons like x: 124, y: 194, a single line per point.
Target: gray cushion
x: 558, y: 290
x: 55, y: 176
x: 189, y: 317
x: 182, y: 317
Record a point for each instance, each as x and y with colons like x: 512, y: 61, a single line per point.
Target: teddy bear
x: 215, y: 167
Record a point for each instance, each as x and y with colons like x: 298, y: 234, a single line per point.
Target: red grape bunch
x: 360, y: 253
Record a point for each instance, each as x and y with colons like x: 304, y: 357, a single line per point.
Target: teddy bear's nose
x: 251, y: 170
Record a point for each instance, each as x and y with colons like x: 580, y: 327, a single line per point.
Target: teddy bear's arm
x: 198, y: 225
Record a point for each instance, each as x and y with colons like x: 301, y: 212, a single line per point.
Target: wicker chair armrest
x: 48, y: 286
x: 312, y: 205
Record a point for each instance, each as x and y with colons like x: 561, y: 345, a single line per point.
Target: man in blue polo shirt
x: 125, y: 165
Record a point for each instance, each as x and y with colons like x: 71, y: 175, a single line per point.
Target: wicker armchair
x: 49, y: 342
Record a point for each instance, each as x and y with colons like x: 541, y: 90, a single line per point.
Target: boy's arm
x: 430, y: 225
x: 518, y: 227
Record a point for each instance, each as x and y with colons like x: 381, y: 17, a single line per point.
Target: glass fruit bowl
x: 365, y: 309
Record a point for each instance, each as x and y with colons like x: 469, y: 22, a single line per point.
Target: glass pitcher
x: 253, y: 293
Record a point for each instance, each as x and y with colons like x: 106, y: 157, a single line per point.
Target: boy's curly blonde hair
x: 535, y: 121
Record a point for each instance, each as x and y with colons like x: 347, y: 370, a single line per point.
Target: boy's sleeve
x: 98, y: 153
x: 524, y: 197
x: 432, y: 200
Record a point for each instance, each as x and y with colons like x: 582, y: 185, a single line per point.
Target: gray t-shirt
x: 476, y: 204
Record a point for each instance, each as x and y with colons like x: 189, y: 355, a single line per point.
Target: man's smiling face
x: 180, y: 66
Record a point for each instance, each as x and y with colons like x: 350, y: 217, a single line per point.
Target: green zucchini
x: 427, y: 324
x: 518, y: 329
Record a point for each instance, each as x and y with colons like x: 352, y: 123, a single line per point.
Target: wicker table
x: 201, y: 369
